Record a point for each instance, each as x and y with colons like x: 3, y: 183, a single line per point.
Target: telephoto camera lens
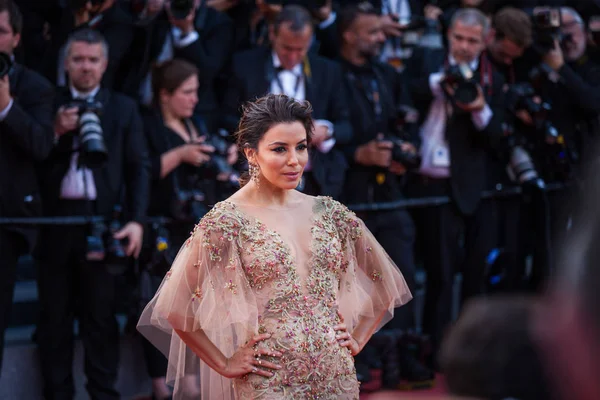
x: 523, y: 169
x: 93, y: 149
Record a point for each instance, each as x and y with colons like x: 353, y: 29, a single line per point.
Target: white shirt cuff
x: 184, y: 41
x: 5, y: 112
x: 482, y: 118
x: 326, y: 145
x: 329, y: 21
x: 434, y: 84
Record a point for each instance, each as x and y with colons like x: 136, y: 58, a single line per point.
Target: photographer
x: 99, y: 163
x: 105, y: 16
x: 378, y: 155
x: 188, y: 30
x: 181, y: 168
x: 461, y: 102
x: 25, y: 139
x: 572, y: 85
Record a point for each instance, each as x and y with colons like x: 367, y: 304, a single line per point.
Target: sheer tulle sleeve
x: 206, y: 289
x: 371, y: 285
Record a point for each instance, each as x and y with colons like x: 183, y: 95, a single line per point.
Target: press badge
x: 441, y: 156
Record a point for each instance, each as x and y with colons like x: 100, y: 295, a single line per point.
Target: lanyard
x: 373, y: 95
x: 280, y: 85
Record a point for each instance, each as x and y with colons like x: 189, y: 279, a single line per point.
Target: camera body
x: 405, y: 118
x: 93, y: 153
x: 189, y: 205
x: 103, y: 248
x: 462, y: 79
x: 522, y: 97
x: 217, y: 165
x: 546, y: 29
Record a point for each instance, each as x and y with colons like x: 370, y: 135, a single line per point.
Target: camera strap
x: 373, y: 94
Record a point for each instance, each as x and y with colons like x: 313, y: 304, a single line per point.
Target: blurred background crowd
x: 460, y: 131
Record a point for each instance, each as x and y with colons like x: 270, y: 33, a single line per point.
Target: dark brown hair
x: 169, y: 75
x: 349, y: 14
x: 513, y: 24
x: 262, y: 114
x: 14, y: 15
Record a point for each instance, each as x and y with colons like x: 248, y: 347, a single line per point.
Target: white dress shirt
x: 435, y: 152
x: 73, y: 186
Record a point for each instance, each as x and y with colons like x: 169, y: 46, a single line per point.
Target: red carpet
x: 423, y: 394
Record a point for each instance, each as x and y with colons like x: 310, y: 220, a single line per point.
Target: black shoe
x: 390, y: 359
x: 412, y: 370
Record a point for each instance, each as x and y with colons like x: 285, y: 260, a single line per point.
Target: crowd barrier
x: 501, y: 192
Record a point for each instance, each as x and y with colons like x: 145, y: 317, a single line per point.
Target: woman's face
x: 282, y: 155
x: 183, y: 100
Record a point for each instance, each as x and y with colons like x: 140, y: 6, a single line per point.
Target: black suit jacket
x: 361, y: 182
x: 470, y: 149
x: 126, y: 176
x: 25, y: 139
x: 251, y: 77
x: 209, y: 53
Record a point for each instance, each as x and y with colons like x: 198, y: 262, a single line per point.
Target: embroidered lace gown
x: 247, y: 270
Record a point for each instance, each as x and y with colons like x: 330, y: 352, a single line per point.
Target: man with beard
x: 374, y: 91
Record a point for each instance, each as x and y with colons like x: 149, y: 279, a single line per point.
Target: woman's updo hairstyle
x: 170, y: 75
x: 262, y: 114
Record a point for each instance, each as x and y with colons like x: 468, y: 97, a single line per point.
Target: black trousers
x: 69, y: 288
x: 156, y: 362
x: 12, y: 245
x: 450, y: 243
x: 395, y: 231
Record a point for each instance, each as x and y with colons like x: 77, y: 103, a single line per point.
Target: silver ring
x: 259, y: 362
x: 254, y: 369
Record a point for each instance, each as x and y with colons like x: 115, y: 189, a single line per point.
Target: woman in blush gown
x: 275, y: 291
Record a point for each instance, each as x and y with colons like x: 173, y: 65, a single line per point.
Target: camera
x: 103, y: 247
x: 6, y: 64
x: 189, y: 205
x: 93, y: 153
x: 180, y: 9
x: 461, y: 78
x: 522, y: 169
x: 405, y: 117
x: 217, y: 164
x: 546, y: 29
x: 522, y: 96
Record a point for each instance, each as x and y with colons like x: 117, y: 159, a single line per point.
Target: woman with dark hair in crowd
x: 180, y: 182
x: 275, y: 291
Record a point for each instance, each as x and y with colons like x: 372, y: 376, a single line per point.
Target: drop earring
x: 254, y: 172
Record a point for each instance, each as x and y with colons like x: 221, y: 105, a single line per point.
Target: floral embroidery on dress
x: 299, y: 313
